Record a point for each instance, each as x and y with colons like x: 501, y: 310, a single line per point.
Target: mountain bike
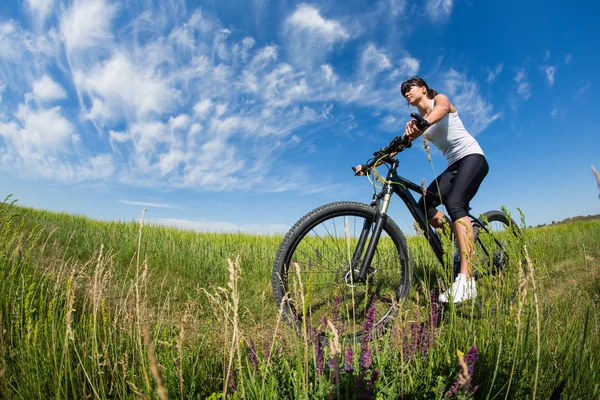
x: 349, y: 262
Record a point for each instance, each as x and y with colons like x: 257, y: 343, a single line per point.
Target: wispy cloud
x: 45, y: 89
x: 311, y: 37
x: 522, y: 86
x: 568, y: 59
x: 87, y: 23
x: 439, y: 10
x: 475, y: 111
x: 149, y: 205
x: 493, y: 74
x: 373, y: 62
x: 219, y: 226
x: 40, y: 9
x: 177, y: 100
x: 37, y: 133
x: 547, y: 55
x: 549, y: 73
x: 585, y: 86
x: 408, y: 66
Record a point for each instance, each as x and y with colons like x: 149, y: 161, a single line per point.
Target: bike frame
x: 402, y: 187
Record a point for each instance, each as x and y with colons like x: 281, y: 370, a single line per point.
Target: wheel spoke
x: 324, y: 254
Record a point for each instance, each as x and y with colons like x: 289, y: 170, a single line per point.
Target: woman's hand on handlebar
x: 412, y: 130
x: 359, y: 170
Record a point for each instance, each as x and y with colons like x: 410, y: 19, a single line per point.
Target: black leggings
x: 457, y: 186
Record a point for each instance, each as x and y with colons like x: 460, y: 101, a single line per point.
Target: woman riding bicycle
x: 457, y: 185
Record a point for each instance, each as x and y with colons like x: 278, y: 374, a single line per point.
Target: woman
x: 457, y: 185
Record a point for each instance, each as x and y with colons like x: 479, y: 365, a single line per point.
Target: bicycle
x: 344, y: 260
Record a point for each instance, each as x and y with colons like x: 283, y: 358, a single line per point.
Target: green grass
x: 94, y: 309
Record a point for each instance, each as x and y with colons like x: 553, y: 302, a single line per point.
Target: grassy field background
x: 93, y: 309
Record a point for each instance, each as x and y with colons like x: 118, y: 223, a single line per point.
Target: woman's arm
x: 439, y: 111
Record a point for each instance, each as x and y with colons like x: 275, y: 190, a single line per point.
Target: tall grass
x: 125, y: 310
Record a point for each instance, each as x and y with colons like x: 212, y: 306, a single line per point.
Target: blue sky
x: 243, y: 116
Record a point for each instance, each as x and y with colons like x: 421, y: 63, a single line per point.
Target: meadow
x: 92, y: 309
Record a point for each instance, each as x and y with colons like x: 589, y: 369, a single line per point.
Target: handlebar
x: 397, y: 145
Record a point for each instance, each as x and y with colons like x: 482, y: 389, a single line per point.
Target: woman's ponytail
x: 431, y: 93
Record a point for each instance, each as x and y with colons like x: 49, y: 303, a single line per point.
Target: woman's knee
x: 457, y: 210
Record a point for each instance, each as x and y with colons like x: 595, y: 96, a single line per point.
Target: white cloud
x: 38, y: 132
x: 220, y: 226
x: 203, y: 107
x: 547, y: 55
x: 45, y: 89
x: 522, y: 88
x: 584, y: 87
x: 187, y: 103
x: 311, y: 37
x: 568, y: 59
x: 493, y: 74
x: 439, y: 10
x: 373, y: 61
x: 23, y: 55
x: 121, y: 87
x: 554, y: 112
x: 397, y: 7
x: 476, y: 113
x: 308, y: 18
x: 40, y: 9
x: 549, y: 73
x: 87, y: 23
x: 408, y: 66
x: 148, y: 204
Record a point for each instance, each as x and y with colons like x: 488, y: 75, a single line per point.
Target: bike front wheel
x: 316, y: 268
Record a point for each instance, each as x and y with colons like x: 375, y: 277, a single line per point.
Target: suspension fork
x: 380, y: 220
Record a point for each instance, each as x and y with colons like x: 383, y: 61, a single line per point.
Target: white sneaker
x: 462, y: 289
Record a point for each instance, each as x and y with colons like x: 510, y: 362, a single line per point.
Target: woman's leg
x: 470, y: 173
x: 464, y: 237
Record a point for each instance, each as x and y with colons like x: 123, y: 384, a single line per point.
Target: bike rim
x: 324, y: 289
x: 498, y: 254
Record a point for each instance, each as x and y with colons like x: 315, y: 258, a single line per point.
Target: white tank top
x: 450, y: 136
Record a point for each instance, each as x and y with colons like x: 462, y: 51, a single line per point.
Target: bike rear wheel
x: 315, y: 272
x: 498, y: 259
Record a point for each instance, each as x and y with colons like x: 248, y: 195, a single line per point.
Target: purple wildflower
x: 318, y: 255
x: 336, y: 310
x: 331, y: 362
x: 366, y: 359
x: 319, y: 356
x: 369, y: 320
x: 253, y: 356
x: 374, y: 376
x: 462, y: 380
x: 349, y: 357
x: 413, y: 339
x: 405, y: 348
x: 471, y: 358
x: 267, y: 345
x: 365, y: 390
x: 434, y: 311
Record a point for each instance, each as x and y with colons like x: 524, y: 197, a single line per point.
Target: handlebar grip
x: 422, y: 123
x: 363, y: 169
